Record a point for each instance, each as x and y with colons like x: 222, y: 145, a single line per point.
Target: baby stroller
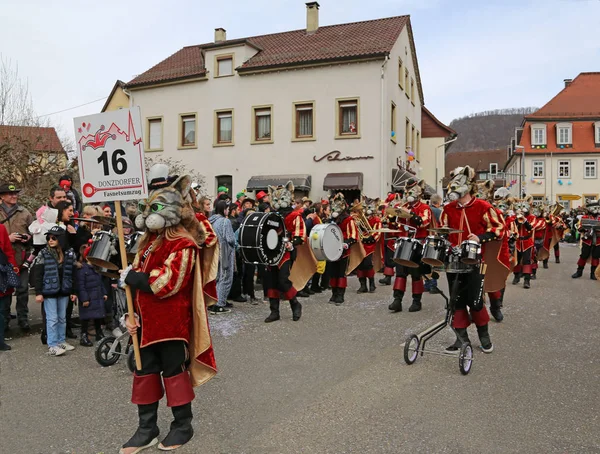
x: 110, y: 349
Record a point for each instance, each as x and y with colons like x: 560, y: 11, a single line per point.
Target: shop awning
x: 350, y: 180
x: 261, y: 182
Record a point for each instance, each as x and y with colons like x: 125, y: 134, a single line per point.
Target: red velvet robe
x: 350, y: 231
x: 295, y: 226
x: 375, y: 223
x: 424, y: 212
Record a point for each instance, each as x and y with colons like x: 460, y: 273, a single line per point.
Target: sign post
x: 111, y: 167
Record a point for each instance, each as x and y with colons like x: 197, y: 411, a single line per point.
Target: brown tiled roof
x: 580, y: 99
x: 479, y: 160
x: 583, y: 135
x: 358, y: 40
x: 41, y: 139
x: 432, y: 127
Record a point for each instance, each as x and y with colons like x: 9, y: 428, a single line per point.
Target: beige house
x: 560, y: 144
x: 330, y: 107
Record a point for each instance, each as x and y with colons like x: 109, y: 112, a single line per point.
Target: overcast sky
x: 473, y: 55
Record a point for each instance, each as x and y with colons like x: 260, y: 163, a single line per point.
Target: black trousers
x: 169, y: 357
x: 587, y: 251
x: 366, y: 264
x: 338, y: 268
x: 280, y: 286
x: 236, y: 285
x: 248, y: 279
x: 470, y: 290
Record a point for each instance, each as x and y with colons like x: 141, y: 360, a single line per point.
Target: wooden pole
x: 131, y: 314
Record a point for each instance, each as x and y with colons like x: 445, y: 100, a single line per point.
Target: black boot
x: 181, y: 430
x: 593, y: 273
x: 546, y: 264
x: 274, y: 306
x: 363, y: 285
x: 533, y: 276
x: 578, y: 273
x: 557, y: 259
x: 517, y: 278
x: 484, y: 338
x: 372, y: 285
x: 99, y: 334
x: 527, y: 281
x: 387, y: 280
x: 340, y: 297
x: 495, y: 306
x: 314, y: 286
x: 396, y: 305
x: 85, y: 341
x: 147, y: 431
x: 334, y: 293
x: 416, y: 304
x: 462, y: 337
x: 296, y: 309
x: 44, y: 338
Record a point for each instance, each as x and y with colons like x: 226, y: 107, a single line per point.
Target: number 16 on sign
x: 111, y: 156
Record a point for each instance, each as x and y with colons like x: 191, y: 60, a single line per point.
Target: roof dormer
x: 564, y: 135
x: 538, y: 135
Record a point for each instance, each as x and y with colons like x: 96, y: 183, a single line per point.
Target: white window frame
x: 149, y: 121
x: 538, y: 127
x: 491, y: 171
x: 597, y: 132
x: 593, y: 165
x: 563, y: 162
x: 568, y: 127
x: 540, y: 165
x: 223, y: 57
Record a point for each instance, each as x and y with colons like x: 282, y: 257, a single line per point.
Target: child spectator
x: 92, y: 294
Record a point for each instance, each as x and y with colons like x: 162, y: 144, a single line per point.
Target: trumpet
x: 362, y: 223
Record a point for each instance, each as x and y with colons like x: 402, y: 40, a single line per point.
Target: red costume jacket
x: 540, y: 231
x: 525, y: 232
x: 375, y: 224
x: 421, y: 220
x: 587, y: 239
x: 504, y: 254
x: 166, y: 312
x: 350, y: 232
x: 6, y: 247
x: 296, y: 230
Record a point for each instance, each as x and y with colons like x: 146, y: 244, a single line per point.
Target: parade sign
x: 111, y: 156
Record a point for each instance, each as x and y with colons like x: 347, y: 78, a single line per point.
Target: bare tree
x: 16, y: 106
x: 176, y: 167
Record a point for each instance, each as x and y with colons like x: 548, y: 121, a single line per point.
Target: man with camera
x: 16, y: 219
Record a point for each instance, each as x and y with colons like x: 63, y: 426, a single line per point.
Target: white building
x: 561, y: 146
x: 332, y: 108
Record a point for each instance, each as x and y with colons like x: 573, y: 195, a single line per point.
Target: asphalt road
x: 335, y: 382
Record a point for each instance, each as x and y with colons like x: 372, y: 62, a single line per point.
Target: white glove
x: 124, y: 274
x: 345, y: 246
x: 289, y: 246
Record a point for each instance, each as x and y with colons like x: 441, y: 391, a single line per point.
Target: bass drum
x: 326, y: 242
x: 261, y: 238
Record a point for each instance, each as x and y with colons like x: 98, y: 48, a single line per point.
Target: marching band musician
x: 590, y: 242
x: 393, y: 200
x: 525, y: 225
x: 480, y: 223
x: 366, y: 270
x: 542, y: 224
x: 340, y: 268
x: 418, y: 217
x: 279, y: 284
x: 558, y: 233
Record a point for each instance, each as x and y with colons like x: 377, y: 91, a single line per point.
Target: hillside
x: 489, y: 130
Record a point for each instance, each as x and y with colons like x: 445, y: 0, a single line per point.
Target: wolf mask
x: 461, y: 182
x: 413, y: 190
x: 484, y: 190
x: 371, y: 205
x: 164, y: 207
x: 338, y: 205
x: 282, y: 196
x: 523, y: 205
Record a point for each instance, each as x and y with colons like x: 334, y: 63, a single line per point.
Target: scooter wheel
x: 411, y: 349
x: 103, y: 355
x: 465, y: 358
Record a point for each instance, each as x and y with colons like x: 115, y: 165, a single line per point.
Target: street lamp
x: 522, y: 169
x: 437, y: 180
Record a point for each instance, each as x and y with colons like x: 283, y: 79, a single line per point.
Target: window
x: 482, y: 175
x: 493, y: 168
x: 262, y: 120
x: 187, y: 131
x: 223, y: 134
x: 400, y: 74
x: 538, y: 200
x: 412, y: 90
x: 597, y: 133
x: 590, y: 198
x: 414, y: 139
x: 348, y: 122
x: 406, y: 79
x: 154, y: 135
x: 304, y: 121
x: 565, y: 203
x: 224, y: 65
x: 393, y: 123
x: 224, y: 180
x: 563, y: 133
x: 564, y: 169
x: 538, y: 135
x: 407, y: 134
x: 538, y: 169
x: 589, y: 168
x: 418, y: 147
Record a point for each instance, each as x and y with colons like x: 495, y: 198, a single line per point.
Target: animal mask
x: 338, y: 205
x: 371, y: 205
x: 523, y: 205
x: 593, y: 209
x: 484, y: 190
x: 461, y: 182
x: 164, y: 206
x: 282, y: 197
x: 501, y: 193
x: 414, y: 189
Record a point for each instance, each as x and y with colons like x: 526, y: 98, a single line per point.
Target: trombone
x: 362, y: 223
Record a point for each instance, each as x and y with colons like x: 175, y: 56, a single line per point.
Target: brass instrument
x: 362, y: 223
x: 398, y: 212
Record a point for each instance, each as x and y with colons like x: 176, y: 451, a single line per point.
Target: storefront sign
x: 336, y: 155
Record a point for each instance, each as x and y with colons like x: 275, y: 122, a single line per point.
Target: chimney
x: 568, y: 82
x: 312, y: 17
x: 220, y: 35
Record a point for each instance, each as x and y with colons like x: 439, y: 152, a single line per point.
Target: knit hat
x: 240, y: 194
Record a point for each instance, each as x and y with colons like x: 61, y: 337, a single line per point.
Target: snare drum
x: 408, y: 252
x: 435, y: 251
x: 470, y: 252
x: 261, y: 238
x: 454, y: 265
x: 100, y: 251
x: 327, y: 242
